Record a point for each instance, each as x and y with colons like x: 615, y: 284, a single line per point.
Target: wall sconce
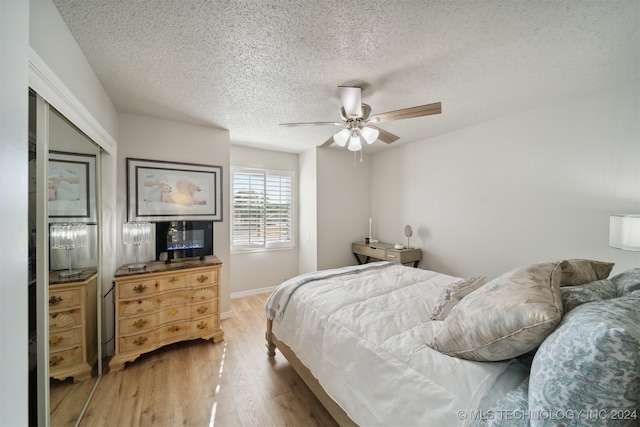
x: 68, y: 236
x: 624, y: 232
x: 136, y: 233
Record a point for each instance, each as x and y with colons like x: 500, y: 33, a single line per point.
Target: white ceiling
x: 247, y: 66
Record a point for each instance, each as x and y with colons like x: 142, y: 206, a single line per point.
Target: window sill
x: 237, y: 251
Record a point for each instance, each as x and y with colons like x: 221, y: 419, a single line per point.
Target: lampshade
x: 624, y: 232
x: 354, y: 142
x: 136, y: 233
x: 68, y: 236
x: 370, y: 134
x: 341, y: 137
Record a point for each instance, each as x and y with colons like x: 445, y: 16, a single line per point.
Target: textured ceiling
x: 246, y: 66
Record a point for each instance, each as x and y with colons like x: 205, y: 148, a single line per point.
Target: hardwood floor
x: 198, y: 383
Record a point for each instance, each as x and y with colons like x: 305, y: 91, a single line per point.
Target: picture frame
x: 160, y: 190
x: 72, y: 187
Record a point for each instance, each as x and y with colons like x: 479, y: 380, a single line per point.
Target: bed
x: 356, y: 337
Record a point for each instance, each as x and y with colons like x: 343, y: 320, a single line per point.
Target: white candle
x: 370, y: 224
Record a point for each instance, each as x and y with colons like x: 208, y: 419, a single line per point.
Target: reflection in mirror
x: 73, y: 295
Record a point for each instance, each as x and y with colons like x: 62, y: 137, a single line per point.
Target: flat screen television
x: 183, y: 239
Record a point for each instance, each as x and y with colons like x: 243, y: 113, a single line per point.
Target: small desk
x: 386, y: 252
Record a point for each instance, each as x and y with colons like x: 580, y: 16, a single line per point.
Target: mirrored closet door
x: 64, y: 267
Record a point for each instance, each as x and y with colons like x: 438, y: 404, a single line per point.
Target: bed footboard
x: 303, y: 372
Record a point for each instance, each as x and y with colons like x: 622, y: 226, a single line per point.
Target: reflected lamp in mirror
x: 136, y: 233
x: 68, y: 236
x: 624, y: 232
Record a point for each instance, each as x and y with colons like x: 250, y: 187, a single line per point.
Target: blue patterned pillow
x: 627, y: 281
x: 573, y: 296
x: 589, y: 367
x: 511, y: 410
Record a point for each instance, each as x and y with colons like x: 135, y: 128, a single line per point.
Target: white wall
x: 536, y: 185
x: 343, y: 205
x: 149, y: 138
x: 14, y: 39
x: 254, y: 271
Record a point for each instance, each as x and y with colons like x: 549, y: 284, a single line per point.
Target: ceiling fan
x: 359, y: 127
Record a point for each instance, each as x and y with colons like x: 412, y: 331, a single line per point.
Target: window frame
x: 267, y: 246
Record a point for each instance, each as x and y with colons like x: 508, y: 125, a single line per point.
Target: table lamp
x: 136, y: 233
x: 68, y: 236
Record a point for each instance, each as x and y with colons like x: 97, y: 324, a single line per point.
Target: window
x: 262, y: 209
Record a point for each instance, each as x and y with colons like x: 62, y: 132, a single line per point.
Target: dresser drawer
x: 176, y: 281
x: 205, y: 325
x: 65, y: 319
x: 141, y: 288
x: 65, y: 338
x: 63, y: 298
x: 137, y: 324
x: 204, y: 278
x: 173, y: 331
x: 204, y: 294
x: 173, y: 314
x: 138, y: 342
x: 205, y: 308
x: 136, y: 307
x: 62, y: 359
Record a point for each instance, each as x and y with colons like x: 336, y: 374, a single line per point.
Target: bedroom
x: 561, y: 193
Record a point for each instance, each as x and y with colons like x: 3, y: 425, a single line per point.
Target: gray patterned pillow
x: 590, y: 363
x: 503, y: 319
x: 573, y: 296
x: 627, y: 281
x: 452, y: 294
x: 581, y: 271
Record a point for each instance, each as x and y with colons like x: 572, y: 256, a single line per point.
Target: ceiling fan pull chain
x: 354, y: 159
x: 360, y: 156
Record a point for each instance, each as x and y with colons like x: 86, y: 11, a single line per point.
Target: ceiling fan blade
x: 327, y: 143
x: 408, y: 113
x: 351, y: 100
x: 385, y: 136
x: 313, y: 124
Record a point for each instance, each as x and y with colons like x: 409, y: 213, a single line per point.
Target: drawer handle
x: 174, y: 328
x: 202, y: 278
x: 172, y: 280
x: 55, y: 360
x: 140, y: 288
x: 55, y: 340
x: 140, y: 323
x: 140, y: 340
x: 203, y: 309
x: 54, y: 300
x: 392, y: 256
x: 203, y: 325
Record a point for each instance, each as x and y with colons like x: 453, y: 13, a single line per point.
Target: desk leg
x: 357, y: 258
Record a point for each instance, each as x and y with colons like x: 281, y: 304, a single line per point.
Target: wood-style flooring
x: 198, y: 383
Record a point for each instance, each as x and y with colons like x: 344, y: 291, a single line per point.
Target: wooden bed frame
x: 331, y: 406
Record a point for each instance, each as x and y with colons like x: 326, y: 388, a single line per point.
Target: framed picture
x: 72, y: 187
x: 161, y: 191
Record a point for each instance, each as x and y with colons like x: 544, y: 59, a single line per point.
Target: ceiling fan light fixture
x: 355, y: 143
x: 341, y: 137
x: 369, y: 134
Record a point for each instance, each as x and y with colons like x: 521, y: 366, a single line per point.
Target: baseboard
x: 252, y: 292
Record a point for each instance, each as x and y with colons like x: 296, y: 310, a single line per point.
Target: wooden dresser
x: 164, y: 304
x: 73, y: 334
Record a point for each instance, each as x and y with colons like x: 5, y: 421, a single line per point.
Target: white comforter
x: 359, y: 330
